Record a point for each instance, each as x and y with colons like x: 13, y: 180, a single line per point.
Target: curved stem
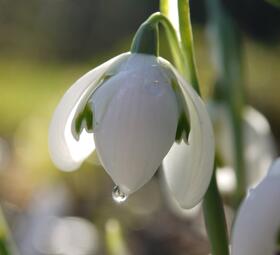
x: 158, y: 18
x: 146, y: 40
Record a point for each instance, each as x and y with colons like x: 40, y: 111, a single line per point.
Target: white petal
x: 188, y: 167
x: 258, y: 220
x: 173, y: 204
x: 66, y: 152
x: 139, y: 125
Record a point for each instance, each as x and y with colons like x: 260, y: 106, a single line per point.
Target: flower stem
x: 212, y: 204
x: 153, y: 21
x: 215, y: 219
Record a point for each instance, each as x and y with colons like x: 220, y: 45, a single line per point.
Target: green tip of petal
x: 84, y: 120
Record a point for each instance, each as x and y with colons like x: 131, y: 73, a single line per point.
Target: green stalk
x: 164, y: 6
x: 187, y: 42
x: 212, y: 203
x: 226, y: 42
x: 7, y: 246
x: 215, y: 221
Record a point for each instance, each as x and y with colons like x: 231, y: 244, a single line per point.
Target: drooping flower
x: 259, y: 147
x: 137, y: 111
x: 257, y: 226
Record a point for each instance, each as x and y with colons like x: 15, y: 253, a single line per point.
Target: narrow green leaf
x: 164, y: 6
x: 187, y: 42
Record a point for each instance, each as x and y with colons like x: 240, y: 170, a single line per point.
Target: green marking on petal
x: 183, y: 127
x: 84, y: 120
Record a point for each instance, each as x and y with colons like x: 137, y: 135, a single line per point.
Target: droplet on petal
x: 118, y: 195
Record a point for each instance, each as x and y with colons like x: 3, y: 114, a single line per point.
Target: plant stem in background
x: 212, y: 204
x: 226, y: 46
x: 215, y: 219
x: 114, y: 238
x: 7, y: 246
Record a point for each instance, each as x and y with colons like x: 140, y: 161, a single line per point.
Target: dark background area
x: 75, y: 30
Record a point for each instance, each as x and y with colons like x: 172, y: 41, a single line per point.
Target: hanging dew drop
x: 118, y: 195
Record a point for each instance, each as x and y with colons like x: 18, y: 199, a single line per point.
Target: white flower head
x: 136, y: 111
x: 257, y: 226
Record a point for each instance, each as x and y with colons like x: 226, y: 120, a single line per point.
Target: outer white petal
x: 139, y: 125
x: 258, y: 220
x: 173, y: 204
x: 66, y: 152
x: 188, y: 167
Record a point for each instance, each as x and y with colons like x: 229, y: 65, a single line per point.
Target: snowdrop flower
x: 258, y: 141
x: 257, y: 226
x: 136, y: 111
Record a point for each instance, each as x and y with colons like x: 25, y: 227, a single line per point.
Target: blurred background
x: 45, y: 45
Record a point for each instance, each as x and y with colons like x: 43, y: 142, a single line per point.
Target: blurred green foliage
x: 274, y: 2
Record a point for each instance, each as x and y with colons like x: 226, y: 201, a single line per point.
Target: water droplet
x: 118, y: 195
